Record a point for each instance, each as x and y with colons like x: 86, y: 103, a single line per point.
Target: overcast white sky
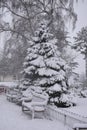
x: 81, y: 10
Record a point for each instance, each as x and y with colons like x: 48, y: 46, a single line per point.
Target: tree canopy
x: 27, y: 14
x: 43, y: 65
x: 81, y: 41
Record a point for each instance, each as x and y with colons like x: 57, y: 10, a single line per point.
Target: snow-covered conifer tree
x: 43, y: 65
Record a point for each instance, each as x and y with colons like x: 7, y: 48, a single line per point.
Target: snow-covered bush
x: 84, y: 93
x: 68, y: 99
x: 62, y: 98
x: 44, y: 66
x: 22, y: 86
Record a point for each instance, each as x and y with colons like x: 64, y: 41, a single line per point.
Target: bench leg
x: 22, y: 108
x: 33, y: 113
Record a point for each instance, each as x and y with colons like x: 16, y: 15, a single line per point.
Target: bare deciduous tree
x: 81, y: 43
x: 26, y: 14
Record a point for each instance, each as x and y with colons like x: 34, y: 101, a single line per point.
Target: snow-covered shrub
x: 44, y: 66
x: 71, y: 98
x: 37, y: 89
x: 61, y: 99
x: 84, y: 93
x: 23, y: 87
x: 27, y: 93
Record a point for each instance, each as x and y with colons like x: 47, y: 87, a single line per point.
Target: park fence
x: 64, y: 116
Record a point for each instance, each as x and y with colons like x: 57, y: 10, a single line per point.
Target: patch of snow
x: 84, y: 93
x: 82, y: 101
x: 47, y: 72
x: 9, y: 84
x: 25, y: 63
x: 35, y: 39
x: 12, y: 118
x: 37, y: 89
x: 80, y: 125
x: 51, y: 62
x: 55, y: 87
x: 29, y: 69
x: 59, y: 77
x: 64, y: 85
x: 80, y: 109
x: 64, y: 98
x: 43, y: 81
x: 27, y: 93
x: 38, y: 62
x: 31, y: 56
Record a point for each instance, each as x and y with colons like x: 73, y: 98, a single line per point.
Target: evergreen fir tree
x: 44, y: 67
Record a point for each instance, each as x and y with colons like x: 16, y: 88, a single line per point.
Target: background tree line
x: 26, y: 14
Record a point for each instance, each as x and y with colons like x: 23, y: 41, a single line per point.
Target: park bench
x: 37, y: 105
x: 12, y: 94
x: 2, y: 89
x: 11, y: 97
x: 23, y: 97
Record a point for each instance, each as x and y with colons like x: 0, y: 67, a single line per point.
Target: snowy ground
x: 12, y: 118
x: 80, y: 109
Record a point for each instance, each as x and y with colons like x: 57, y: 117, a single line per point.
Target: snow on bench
x: 12, y: 95
x: 38, y: 103
x: 80, y: 126
x: 25, y: 96
x: 2, y: 89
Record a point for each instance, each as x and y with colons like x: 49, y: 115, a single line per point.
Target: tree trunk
x: 86, y: 66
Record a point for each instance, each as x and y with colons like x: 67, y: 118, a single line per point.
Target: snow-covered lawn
x: 12, y: 118
x: 80, y: 109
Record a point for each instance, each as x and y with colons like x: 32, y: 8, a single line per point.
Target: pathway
x: 12, y: 118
